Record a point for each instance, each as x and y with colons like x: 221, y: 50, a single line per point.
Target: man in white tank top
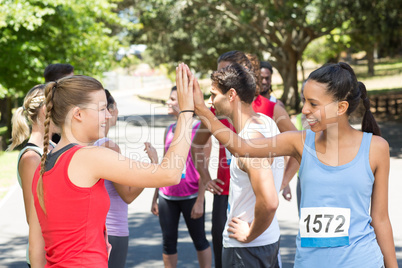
x: 251, y: 234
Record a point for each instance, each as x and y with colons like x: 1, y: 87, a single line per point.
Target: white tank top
x: 241, y: 195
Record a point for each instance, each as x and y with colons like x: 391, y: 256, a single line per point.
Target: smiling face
x: 95, y: 116
x: 319, y: 106
x: 173, y: 104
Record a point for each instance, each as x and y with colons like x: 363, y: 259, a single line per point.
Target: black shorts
x: 263, y: 256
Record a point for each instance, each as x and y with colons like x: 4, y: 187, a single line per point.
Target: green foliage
x: 198, y: 31
x: 375, y: 23
x: 36, y: 33
x: 327, y: 48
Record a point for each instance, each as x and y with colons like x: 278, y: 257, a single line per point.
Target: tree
x: 198, y: 31
x: 35, y: 33
x: 374, y: 24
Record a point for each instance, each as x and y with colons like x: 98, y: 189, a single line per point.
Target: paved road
x: 145, y: 236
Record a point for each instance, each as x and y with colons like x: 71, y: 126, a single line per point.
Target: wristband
x: 184, y: 111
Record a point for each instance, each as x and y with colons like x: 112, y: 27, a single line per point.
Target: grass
x: 8, y: 167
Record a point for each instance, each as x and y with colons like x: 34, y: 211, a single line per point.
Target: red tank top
x: 224, y: 168
x: 264, y: 106
x: 74, y: 225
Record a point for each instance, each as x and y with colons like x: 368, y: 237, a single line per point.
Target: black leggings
x: 169, y: 216
x: 118, y: 255
x: 219, y: 216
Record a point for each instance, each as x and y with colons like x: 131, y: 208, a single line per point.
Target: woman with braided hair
x: 27, y: 123
x: 344, y: 219
x: 70, y: 200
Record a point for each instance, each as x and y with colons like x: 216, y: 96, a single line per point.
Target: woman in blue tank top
x: 344, y: 172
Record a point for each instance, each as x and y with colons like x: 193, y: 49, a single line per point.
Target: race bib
x: 324, y: 227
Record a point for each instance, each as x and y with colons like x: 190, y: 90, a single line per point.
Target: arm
x: 200, y: 140
x: 379, y: 158
x: 282, y: 119
x: 154, y: 206
x: 36, y: 243
x: 291, y: 169
x: 284, y: 123
x: 93, y: 163
x: 198, y: 208
x: 127, y: 193
x: 288, y: 143
x: 26, y: 168
x: 262, y: 181
x: 197, y: 153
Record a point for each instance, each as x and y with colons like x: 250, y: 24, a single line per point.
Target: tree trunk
x: 3, y: 111
x: 6, y: 110
x: 288, y: 73
x: 370, y: 59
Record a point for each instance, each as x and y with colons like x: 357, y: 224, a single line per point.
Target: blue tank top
x: 334, y: 226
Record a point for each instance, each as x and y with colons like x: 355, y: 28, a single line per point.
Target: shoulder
x: 379, y: 146
x: 279, y: 110
x: 30, y: 156
x: 93, y: 156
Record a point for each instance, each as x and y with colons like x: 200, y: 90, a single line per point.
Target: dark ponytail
x: 342, y: 83
x: 369, y: 124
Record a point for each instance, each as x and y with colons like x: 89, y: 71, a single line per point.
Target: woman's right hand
x: 184, y: 84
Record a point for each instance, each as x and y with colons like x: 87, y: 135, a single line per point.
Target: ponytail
x: 50, y: 87
x: 20, y: 129
x: 26, y: 115
x: 369, y: 123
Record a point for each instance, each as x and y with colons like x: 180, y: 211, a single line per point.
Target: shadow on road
x: 145, y: 245
x: 9, y: 257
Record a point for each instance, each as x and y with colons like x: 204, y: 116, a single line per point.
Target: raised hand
x: 184, y: 85
x: 199, y: 102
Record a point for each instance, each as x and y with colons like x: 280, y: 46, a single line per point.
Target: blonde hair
x: 26, y: 115
x: 61, y: 96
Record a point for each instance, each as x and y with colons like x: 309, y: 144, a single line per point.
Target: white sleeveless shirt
x: 241, y: 195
